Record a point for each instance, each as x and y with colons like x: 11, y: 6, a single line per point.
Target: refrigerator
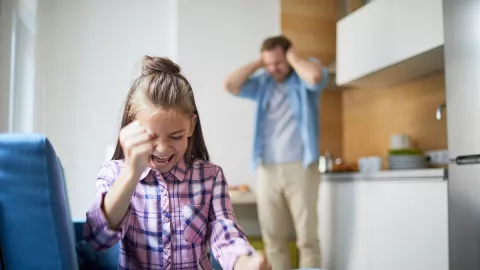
x: 462, y: 78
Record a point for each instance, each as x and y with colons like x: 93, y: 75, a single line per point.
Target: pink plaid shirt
x: 172, y: 219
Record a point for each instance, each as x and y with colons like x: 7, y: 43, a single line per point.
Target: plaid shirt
x: 172, y: 219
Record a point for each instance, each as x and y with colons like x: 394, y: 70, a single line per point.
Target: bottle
x: 328, y: 161
x: 322, y: 164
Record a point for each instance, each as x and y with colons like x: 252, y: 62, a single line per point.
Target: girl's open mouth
x: 162, y: 160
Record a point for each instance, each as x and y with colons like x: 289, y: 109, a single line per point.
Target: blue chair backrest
x: 36, y: 230
x: 89, y: 259
x: 1, y: 259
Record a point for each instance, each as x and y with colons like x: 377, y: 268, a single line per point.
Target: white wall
x: 17, y: 60
x: 6, y: 22
x: 86, y: 54
x: 213, y: 38
x: 23, y: 96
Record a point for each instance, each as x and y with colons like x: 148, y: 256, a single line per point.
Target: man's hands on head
x: 236, y: 79
x: 292, y: 55
x: 258, y: 62
x: 309, y: 71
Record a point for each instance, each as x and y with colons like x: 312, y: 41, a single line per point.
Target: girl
x: 159, y: 195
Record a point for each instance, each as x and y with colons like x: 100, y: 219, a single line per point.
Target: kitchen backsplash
x: 370, y: 116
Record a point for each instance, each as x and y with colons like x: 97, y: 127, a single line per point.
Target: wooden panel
x: 311, y: 25
x: 370, y: 116
x: 309, y: 45
x: 331, y: 123
x: 354, y: 5
x: 311, y: 8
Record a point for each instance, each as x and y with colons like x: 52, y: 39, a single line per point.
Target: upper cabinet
x: 389, y: 41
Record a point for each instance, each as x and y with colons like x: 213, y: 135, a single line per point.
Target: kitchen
x: 389, y: 82
x: 388, y: 90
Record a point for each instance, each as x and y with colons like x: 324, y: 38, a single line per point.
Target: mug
x: 370, y: 164
x: 399, y: 141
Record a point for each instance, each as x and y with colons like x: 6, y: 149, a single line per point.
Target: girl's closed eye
x: 178, y: 137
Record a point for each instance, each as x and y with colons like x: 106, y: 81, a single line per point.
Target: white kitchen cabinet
x: 389, y: 41
x: 342, y: 225
x: 407, y: 225
x: 383, y: 223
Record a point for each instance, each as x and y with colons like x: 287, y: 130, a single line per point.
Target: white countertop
x: 398, y: 174
x: 249, y: 198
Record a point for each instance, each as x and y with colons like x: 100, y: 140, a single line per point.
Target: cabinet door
x: 407, y: 224
x: 342, y: 221
x: 385, y: 33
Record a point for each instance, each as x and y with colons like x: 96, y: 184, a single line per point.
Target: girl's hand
x: 256, y: 261
x: 137, y: 146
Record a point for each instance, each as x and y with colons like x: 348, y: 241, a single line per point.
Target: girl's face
x: 171, y: 129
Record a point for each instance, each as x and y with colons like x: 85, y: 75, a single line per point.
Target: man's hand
x: 258, y: 63
x: 236, y: 79
x: 292, y: 55
x: 256, y: 261
x: 308, y: 71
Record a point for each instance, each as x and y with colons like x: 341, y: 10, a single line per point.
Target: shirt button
x: 167, y: 246
x: 166, y: 220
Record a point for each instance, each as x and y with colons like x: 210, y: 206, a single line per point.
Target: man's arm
x: 234, y: 82
x: 308, y: 71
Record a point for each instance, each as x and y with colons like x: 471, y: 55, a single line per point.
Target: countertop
x: 249, y: 198
x: 437, y: 173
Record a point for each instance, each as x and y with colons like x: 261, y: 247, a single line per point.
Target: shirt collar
x: 179, y: 171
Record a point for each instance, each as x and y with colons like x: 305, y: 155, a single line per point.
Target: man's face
x: 276, y: 63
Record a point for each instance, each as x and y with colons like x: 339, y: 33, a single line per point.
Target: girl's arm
x: 227, y: 240
x: 117, y: 200
x: 106, y: 219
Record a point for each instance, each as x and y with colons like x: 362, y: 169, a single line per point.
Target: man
x: 285, y: 146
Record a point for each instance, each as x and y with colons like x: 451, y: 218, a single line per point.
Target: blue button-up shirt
x: 304, y: 99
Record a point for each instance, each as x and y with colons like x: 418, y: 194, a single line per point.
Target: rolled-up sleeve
x: 96, y: 231
x: 227, y: 240
x: 323, y: 81
x: 251, y: 87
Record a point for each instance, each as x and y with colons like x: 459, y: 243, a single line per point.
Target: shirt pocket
x: 195, y: 222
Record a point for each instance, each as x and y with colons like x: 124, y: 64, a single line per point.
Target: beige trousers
x: 285, y: 192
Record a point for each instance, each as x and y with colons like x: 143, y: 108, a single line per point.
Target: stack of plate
x: 406, y: 162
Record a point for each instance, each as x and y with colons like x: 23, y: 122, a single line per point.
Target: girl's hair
x: 161, y: 85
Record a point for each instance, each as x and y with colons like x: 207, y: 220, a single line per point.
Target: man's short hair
x: 276, y: 41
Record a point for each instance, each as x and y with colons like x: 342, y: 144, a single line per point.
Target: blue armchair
x: 36, y: 230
